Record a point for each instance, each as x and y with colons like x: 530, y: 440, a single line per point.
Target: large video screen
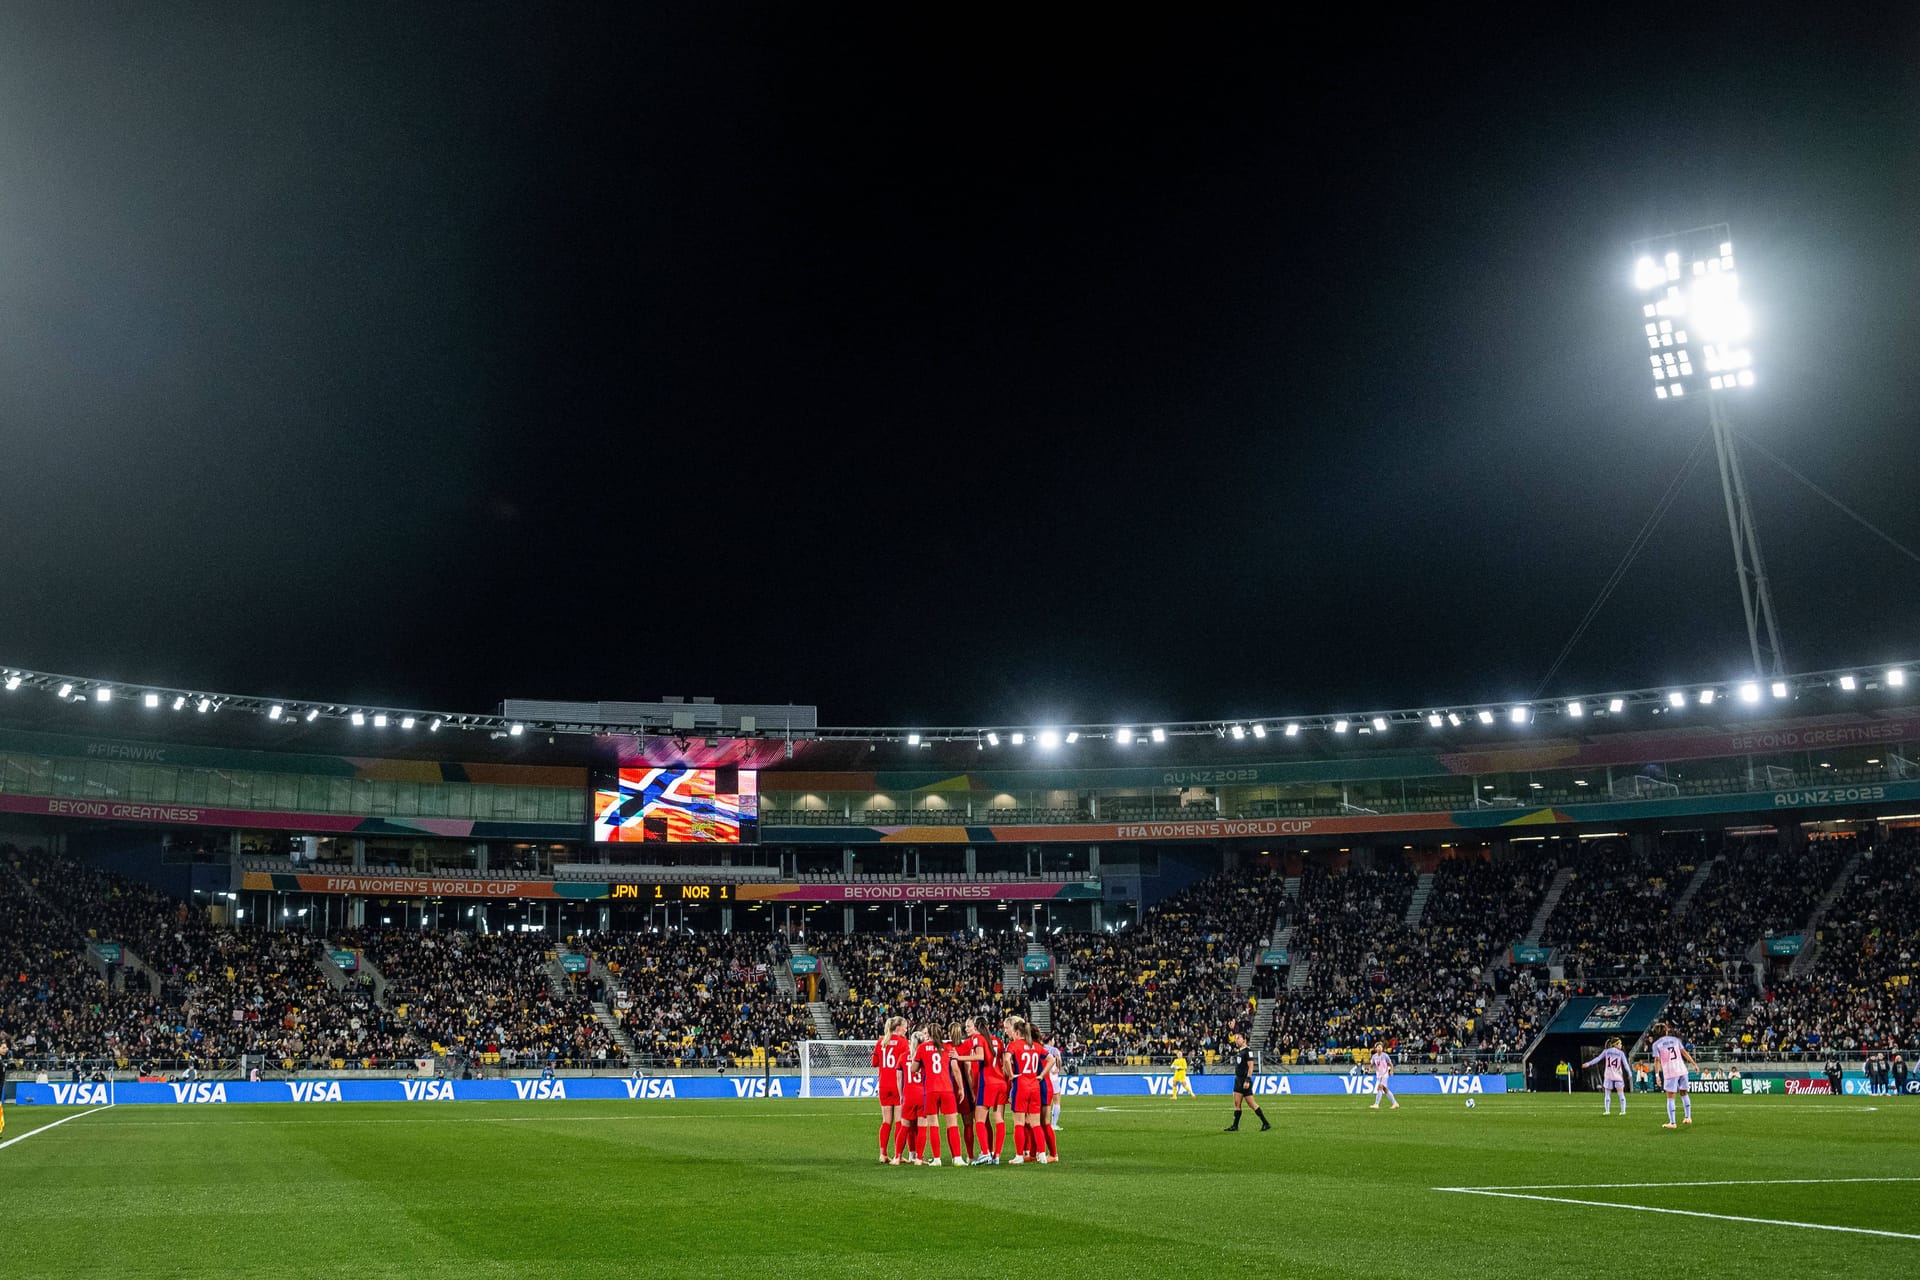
x: 677, y: 805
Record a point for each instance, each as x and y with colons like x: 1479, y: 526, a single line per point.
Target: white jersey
x: 1672, y: 1057
x: 1382, y: 1068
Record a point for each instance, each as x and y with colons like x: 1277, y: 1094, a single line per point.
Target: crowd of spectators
x: 700, y: 999
x: 938, y: 979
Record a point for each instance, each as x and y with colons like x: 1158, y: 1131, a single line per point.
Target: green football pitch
x: 1757, y: 1187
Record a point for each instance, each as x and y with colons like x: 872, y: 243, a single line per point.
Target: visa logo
x: 1460, y: 1084
x: 1357, y: 1084
x: 81, y: 1095
x: 1076, y: 1087
x: 428, y: 1090
x: 1159, y: 1084
x: 757, y: 1089
x: 199, y: 1092
x: 546, y: 1089
x: 314, y: 1090
x: 1271, y: 1085
x: 649, y: 1088
x: 859, y: 1087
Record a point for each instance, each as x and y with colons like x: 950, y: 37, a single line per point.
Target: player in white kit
x: 1383, y: 1077
x: 1673, y: 1060
x: 1612, y: 1061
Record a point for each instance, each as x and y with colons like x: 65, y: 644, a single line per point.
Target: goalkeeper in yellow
x: 1180, y: 1080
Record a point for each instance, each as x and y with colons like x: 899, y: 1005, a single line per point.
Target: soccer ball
x: 1469, y: 1104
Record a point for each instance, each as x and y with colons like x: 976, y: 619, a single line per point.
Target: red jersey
x: 936, y: 1067
x: 890, y: 1055
x: 1029, y: 1059
x: 989, y: 1046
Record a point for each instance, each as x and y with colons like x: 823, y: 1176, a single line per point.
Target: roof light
x: 913, y: 739
x: 1259, y: 731
x: 1124, y: 737
x: 1339, y: 726
x: 1676, y: 699
x: 1749, y: 692
x: 433, y: 726
x: 203, y: 705
x: 517, y: 729
x: 1379, y: 724
x: 274, y: 711
x: 358, y: 718
x: 406, y: 722
x: 380, y: 720
x: 1486, y: 717
x: 103, y: 694
x: 1434, y: 720
x: 1616, y: 705
x: 1293, y: 731
x: 13, y: 682
x: 1897, y: 677
x: 179, y: 702
x: 1073, y: 736
x: 151, y: 700
x: 66, y: 688
x: 1518, y: 715
x: 993, y: 739
x: 1779, y: 688
x: 1159, y: 735
x: 1238, y: 731
x: 1019, y: 739
x: 1049, y: 739
x: 1453, y: 718
x: 1576, y: 709
x: 1706, y: 697
x: 313, y: 713
x: 1848, y: 683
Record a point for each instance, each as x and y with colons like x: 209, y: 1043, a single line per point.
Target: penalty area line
x: 1682, y: 1213
x: 1719, y: 1182
x: 54, y: 1125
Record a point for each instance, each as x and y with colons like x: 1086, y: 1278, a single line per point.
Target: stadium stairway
x: 1701, y: 874
x: 783, y: 979
x: 1547, y: 903
x: 1417, y: 909
x: 1012, y: 978
x: 1041, y: 1011
x: 1809, y: 932
x: 822, y: 1015
x: 604, y: 1016
x: 835, y: 981
x: 336, y: 976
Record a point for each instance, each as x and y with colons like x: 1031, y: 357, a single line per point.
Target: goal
x: 830, y: 1058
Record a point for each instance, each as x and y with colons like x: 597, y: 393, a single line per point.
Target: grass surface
x: 1148, y: 1188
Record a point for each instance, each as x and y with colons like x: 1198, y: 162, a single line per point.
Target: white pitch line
x: 1683, y: 1213
x: 55, y: 1125
x: 1723, y: 1182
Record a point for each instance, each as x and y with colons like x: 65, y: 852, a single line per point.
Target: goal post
x: 828, y: 1058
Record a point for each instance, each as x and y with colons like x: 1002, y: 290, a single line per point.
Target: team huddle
x: 964, y: 1084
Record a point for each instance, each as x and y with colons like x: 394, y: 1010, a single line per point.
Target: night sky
x: 932, y: 367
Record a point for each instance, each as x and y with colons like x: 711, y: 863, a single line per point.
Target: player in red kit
x: 1027, y: 1060
x: 934, y: 1062
x: 890, y: 1055
x: 966, y: 1084
x: 986, y: 1054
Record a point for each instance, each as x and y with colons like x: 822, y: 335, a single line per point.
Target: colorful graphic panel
x: 677, y: 805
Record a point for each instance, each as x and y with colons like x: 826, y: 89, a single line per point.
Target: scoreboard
x: 651, y: 894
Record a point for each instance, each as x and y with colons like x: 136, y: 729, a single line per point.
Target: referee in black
x: 1243, y: 1085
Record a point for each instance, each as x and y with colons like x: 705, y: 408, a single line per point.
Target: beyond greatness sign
x: 657, y: 1088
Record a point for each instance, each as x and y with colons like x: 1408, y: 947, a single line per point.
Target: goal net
x: 825, y: 1059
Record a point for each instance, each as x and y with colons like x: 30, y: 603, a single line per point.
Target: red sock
x: 953, y: 1141
x: 980, y: 1136
x: 1046, y: 1131
x: 886, y: 1127
x: 999, y: 1139
x: 933, y: 1138
x: 899, y: 1138
x: 919, y: 1141
x: 1021, y: 1145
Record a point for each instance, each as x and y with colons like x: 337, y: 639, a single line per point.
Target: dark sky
x: 931, y: 367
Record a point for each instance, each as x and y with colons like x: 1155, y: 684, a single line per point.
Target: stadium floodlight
x: 1848, y: 683
x: 1259, y: 731
x: 407, y: 722
x: 1339, y: 726
x: 103, y: 694
x: 150, y: 701
x: 1379, y: 724
x: 1897, y: 678
x: 1158, y: 735
x: 1434, y: 720
x: 1486, y: 716
x: 358, y: 718
x: 913, y: 739
x: 1239, y: 731
x: 1453, y: 719
x: 66, y: 689
x: 993, y: 739
x: 1696, y: 328
x: 203, y: 705
x: 380, y: 720
x: 1576, y: 709
x: 313, y: 713
x: 1519, y: 715
x: 516, y: 729
x: 1706, y: 697
x: 1779, y: 688
x: 433, y: 725
x: 179, y: 702
x: 1750, y: 692
x: 13, y: 682
x: 1124, y: 737
x: 1676, y: 699
x: 1073, y: 736
x: 275, y: 711
x: 1018, y: 738
x: 1293, y: 730
x: 1049, y: 739
x: 1616, y: 705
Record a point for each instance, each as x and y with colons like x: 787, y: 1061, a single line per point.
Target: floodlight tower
x: 1696, y: 329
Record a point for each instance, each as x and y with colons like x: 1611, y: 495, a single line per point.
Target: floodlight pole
x: 1756, y: 597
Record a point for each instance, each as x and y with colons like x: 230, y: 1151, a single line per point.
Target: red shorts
x: 941, y: 1104
x: 1026, y: 1096
x: 915, y: 1105
x: 889, y: 1090
x: 994, y: 1093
